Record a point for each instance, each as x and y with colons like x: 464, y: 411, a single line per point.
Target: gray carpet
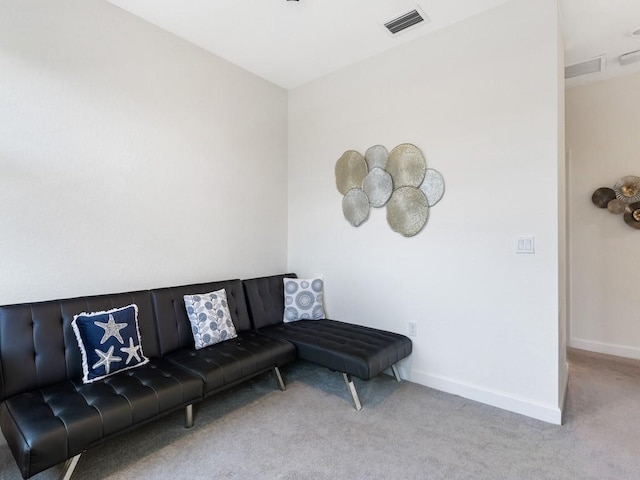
x: 404, y: 431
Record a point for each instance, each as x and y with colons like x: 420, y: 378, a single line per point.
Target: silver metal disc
x: 355, y: 206
x: 628, y: 189
x: 407, y: 166
x: 407, y: 211
x: 378, y: 185
x: 376, y: 156
x: 433, y: 186
x: 351, y: 168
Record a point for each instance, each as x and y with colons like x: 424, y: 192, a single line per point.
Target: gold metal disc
x: 407, y: 166
x: 407, y: 211
x: 351, y: 169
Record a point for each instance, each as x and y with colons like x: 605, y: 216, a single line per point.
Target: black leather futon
x: 49, y: 416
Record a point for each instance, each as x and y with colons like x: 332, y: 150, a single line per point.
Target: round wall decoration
x: 351, y: 168
x: 407, y: 166
x: 627, y: 189
x: 623, y: 198
x: 407, y: 211
x: 616, y: 206
x: 376, y: 156
x: 400, y: 180
x: 602, y: 196
x: 632, y: 215
x: 378, y: 186
x: 355, y: 206
x: 433, y: 186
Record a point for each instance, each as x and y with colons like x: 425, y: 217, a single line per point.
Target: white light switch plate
x: 525, y: 244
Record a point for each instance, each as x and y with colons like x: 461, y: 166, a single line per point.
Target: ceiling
x: 291, y: 43
x: 600, y: 27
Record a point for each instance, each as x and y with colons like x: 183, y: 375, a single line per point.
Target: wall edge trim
x: 565, y: 392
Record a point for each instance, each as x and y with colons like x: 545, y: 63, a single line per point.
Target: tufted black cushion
x: 265, y: 299
x: 360, y: 351
x: 223, y: 364
x: 48, y: 425
x: 38, y: 346
x: 233, y: 361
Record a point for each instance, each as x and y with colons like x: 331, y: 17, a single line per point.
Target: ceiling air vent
x: 594, y: 65
x: 406, y: 20
x: 631, y: 57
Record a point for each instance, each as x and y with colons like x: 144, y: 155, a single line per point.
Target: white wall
x: 604, y: 145
x: 130, y: 158
x: 482, y: 100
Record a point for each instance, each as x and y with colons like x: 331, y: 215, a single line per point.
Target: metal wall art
x: 351, y: 169
x: 624, y: 198
x: 400, y: 180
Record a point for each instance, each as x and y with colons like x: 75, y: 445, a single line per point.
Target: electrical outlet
x: 413, y: 329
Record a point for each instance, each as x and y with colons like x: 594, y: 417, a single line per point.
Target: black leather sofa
x: 48, y: 416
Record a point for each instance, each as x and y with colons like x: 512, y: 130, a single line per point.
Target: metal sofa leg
x: 396, y: 374
x: 279, y: 377
x: 69, y: 467
x: 352, y: 389
x: 188, y: 416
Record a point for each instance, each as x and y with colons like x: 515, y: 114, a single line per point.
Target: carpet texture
x: 404, y: 431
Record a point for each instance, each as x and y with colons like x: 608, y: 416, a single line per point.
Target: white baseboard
x: 608, y: 348
x: 523, y: 406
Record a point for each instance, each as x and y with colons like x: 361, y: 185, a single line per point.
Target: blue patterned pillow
x: 303, y: 299
x: 210, y: 318
x: 109, y: 342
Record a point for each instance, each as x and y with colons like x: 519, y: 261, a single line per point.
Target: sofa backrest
x: 38, y: 346
x: 265, y: 299
x: 172, y: 322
